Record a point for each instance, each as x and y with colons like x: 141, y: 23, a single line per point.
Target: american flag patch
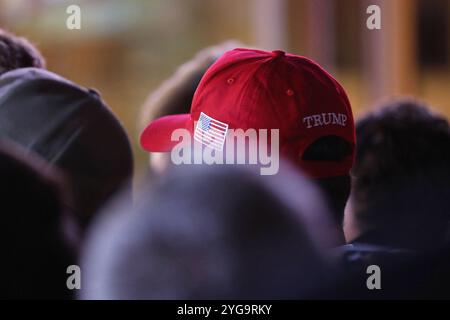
x: 210, y: 132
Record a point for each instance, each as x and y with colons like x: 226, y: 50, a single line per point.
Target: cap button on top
x: 278, y: 53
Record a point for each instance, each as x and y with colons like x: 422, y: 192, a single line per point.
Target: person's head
x: 17, y: 52
x: 290, y: 96
x: 401, y: 179
x: 174, y: 95
x: 73, y: 130
x: 35, y: 251
x: 211, y: 233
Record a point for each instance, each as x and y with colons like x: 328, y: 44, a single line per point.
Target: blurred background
x: 125, y: 49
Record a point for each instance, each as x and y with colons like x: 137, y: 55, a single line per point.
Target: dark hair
x: 335, y: 189
x: 402, y: 172
x: 210, y: 233
x: 35, y: 252
x: 17, y: 52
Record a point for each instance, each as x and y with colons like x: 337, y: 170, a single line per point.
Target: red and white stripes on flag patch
x: 210, y: 132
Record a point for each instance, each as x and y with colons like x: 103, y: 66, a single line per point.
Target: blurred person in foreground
x: 212, y: 233
x: 72, y: 129
x: 17, y: 52
x: 174, y: 95
x: 282, y: 93
x: 35, y: 251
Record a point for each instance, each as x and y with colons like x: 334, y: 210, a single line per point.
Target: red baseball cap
x: 254, y: 89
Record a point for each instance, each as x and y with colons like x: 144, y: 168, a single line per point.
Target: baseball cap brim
x: 157, y: 136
